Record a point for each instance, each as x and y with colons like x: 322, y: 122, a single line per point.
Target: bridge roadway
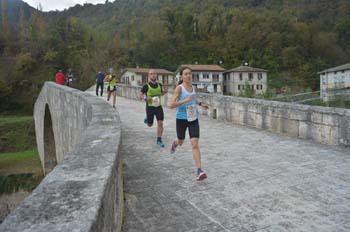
x: 257, y: 180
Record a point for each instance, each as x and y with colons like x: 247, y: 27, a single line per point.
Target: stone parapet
x: 326, y: 125
x: 81, y: 135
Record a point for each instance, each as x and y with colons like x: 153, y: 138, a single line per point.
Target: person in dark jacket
x: 99, y: 82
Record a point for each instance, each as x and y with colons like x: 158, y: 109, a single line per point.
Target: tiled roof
x: 203, y: 67
x: 146, y: 70
x: 246, y: 69
x: 336, y: 69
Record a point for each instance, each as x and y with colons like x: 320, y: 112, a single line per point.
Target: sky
x: 60, y: 5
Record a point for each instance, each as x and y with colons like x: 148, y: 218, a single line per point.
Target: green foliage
x: 269, y: 94
x: 248, y: 91
x: 293, y: 40
x: 24, y: 64
x: 339, y: 103
x: 16, y: 133
x: 5, y: 92
x: 15, y: 182
x: 4, y: 120
x: 20, y: 162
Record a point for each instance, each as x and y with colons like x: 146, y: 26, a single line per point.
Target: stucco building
x: 206, y: 78
x: 139, y: 76
x: 235, y: 80
x: 335, y: 81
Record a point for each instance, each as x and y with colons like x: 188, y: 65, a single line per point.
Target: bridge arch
x: 78, y: 138
x: 49, y: 158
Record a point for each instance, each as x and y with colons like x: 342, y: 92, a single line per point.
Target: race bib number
x: 191, y: 113
x: 155, y: 101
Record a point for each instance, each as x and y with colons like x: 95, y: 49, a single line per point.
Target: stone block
x: 276, y: 124
x: 325, y: 134
x: 303, y: 129
x: 291, y: 127
x: 298, y: 115
x: 250, y: 119
x: 259, y: 121
x: 315, y: 132
x: 316, y: 117
x: 330, y: 120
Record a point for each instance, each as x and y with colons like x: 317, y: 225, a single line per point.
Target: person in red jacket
x: 60, y: 77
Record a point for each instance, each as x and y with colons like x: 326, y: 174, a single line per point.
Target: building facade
x: 139, y: 76
x: 206, y: 78
x: 237, y: 79
x: 335, y: 82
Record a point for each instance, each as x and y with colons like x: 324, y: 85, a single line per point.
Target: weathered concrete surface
x: 257, y: 180
x: 84, y: 191
x: 325, y: 125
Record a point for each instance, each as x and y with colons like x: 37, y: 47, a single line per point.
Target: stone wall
x: 84, y: 191
x: 324, y: 125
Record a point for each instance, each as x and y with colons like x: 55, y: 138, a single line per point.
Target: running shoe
x: 173, y: 148
x: 160, y: 143
x: 145, y: 120
x: 201, y: 176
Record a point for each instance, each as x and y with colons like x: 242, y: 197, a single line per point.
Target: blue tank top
x: 181, y: 110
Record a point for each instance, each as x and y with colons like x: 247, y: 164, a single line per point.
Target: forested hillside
x: 293, y: 39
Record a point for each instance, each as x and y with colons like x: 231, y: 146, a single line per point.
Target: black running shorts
x: 152, y: 111
x: 183, y: 124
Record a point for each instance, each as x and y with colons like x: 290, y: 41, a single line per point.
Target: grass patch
x: 17, y: 133
x: 20, y: 162
x: 14, y: 119
x: 15, y: 182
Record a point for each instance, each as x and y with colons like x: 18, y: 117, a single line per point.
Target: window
x: 241, y: 77
x: 195, y: 77
x: 216, y: 77
x: 259, y: 76
x: 239, y: 87
x: 250, y: 76
x: 132, y: 78
x: 205, y: 76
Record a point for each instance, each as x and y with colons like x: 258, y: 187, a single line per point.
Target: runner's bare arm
x: 165, y: 90
x: 204, y: 105
x: 173, y: 103
x: 142, y: 95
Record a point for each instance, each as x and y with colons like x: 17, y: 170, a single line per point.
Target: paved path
x: 257, y: 181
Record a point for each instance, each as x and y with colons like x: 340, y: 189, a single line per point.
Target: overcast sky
x: 60, y: 4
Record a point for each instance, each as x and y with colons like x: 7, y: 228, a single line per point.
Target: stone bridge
x: 271, y: 167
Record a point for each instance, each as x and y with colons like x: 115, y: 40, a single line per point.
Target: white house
x: 139, y: 76
x: 335, y: 81
x: 206, y: 78
x: 235, y: 80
